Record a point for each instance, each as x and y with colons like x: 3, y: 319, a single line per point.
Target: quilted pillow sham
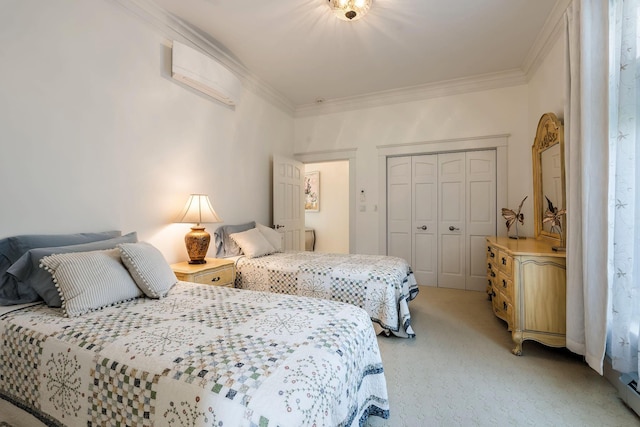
x: 253, y: 243
x: 12, y: 248
x: 27, y: 268
x: 149, y: 269
x: 89, y: 281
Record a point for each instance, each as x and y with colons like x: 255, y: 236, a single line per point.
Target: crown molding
x: 415, y: 93
x: 174, y: 28
x: 553, y: 28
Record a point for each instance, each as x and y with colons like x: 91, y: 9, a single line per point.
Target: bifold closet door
x: 412, y: 214
x: 440, y: 207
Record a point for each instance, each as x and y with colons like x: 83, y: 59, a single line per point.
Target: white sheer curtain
x: 624, y: 177
x: 586, y: 171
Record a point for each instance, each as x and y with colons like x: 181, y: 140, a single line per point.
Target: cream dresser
x: 527, y: 287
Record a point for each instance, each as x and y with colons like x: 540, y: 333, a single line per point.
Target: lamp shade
x: 198, y: 210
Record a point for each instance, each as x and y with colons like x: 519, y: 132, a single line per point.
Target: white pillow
x: 148, y: 268
x: 253, y: 243
x: 272, y: 236
x: 90, y: 280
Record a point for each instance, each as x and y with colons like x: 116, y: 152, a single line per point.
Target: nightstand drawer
x: 216, y: 271
x: 220, y: 277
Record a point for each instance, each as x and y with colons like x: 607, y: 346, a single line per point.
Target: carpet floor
x: 459, y: 371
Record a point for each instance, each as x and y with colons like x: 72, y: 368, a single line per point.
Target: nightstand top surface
x: 186, y: 268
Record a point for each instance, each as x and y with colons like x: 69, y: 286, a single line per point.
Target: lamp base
x: 197, y: 242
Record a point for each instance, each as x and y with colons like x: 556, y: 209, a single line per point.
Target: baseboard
x: 625, y: 384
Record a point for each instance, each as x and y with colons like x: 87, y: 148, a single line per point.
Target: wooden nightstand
x: 218, y: 272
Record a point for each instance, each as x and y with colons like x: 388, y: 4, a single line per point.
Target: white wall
x: 331, y: 223
x: 96, y: 135
x: 491, y: 112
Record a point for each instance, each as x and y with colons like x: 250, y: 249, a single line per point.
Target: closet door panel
x: 424, y: 218
x: 399, y: 207
x: 451, y: 220
x: 481, y: 214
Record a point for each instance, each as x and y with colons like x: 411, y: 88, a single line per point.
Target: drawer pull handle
x: 493, y: 293
x: 504, y: 261
x: 504, y: 283
x: 504, y: 305
x: 489, y: 280
x: 216, y: 279
x: 492, y: 255
x: 493, y: 274
x: 489, y: 265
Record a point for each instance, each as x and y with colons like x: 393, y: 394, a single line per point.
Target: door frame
x: 496, y: 142
x: 349, y: 155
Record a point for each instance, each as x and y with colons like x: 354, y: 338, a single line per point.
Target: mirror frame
x: 550, y: 132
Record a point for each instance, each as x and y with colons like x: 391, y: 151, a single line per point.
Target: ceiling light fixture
x: 350, y: 10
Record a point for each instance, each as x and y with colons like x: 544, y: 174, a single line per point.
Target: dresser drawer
x: 492, y: 253
x: 219, y: 277
x: 505, y: 263
x: 505, y: 284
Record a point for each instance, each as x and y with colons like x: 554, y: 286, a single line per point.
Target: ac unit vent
x: 204, y: 74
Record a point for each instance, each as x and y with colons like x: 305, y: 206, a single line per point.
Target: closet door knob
x: 278, y: 226
x: 452, y: 228
x: 424, y: 227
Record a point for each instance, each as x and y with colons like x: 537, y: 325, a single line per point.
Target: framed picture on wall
x: 312, y: 191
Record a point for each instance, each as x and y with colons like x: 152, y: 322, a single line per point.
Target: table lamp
x: 199, y: 210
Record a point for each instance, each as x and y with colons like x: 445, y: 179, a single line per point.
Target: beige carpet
x: 459, y: 371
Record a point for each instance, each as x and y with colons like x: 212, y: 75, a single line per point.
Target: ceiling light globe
x: 350, y: 10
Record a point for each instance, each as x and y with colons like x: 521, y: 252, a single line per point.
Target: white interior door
x: 481, y: 214
x: 399, y: 208
x: 288, y: 207
x: 425, y: 219
x: 451, y: 220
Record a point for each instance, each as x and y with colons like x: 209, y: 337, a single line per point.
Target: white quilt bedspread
x: 381, y: 285
x: 203, y: 356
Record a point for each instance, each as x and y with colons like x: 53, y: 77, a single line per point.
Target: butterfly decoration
x: 514, y: 217
x: 553, y: 215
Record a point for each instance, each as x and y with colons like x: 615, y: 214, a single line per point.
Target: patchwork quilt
x: 381, y: 285
x: 203, y: 356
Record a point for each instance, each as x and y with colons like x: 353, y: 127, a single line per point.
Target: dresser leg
x: 517, y: 339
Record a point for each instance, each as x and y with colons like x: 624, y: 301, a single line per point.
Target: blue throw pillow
x: 12, y: 248
x: 27, y: 269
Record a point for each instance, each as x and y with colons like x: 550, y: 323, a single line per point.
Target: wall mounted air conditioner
x: 205, y: 74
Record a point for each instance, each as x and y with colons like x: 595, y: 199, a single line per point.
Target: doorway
x: 327, y: 221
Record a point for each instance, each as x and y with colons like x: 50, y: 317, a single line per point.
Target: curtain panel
x: 586, y: 166
x: 624, y: 177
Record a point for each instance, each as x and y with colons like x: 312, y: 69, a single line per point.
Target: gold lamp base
x: 197, y: 242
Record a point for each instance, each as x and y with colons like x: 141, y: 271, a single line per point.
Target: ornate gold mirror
x: 548, y: 174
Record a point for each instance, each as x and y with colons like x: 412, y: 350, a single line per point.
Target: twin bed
x: 381, y: 285
x: 200, y: 355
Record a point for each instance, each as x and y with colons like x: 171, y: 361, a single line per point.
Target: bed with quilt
x: 381, y: 285
x: 130, y: 345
